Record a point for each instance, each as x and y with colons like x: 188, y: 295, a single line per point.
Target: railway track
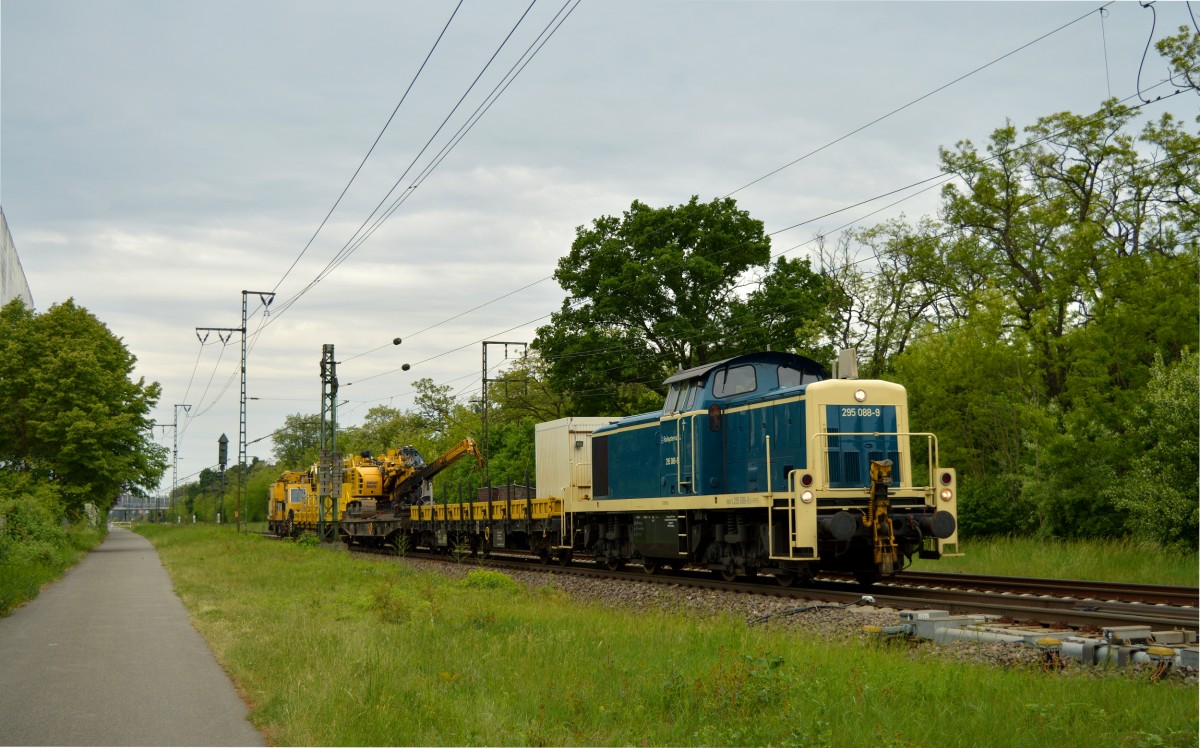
x: 1148, y: 594
x: 1039, y: 602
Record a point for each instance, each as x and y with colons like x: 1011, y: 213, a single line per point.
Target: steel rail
x: 1043, y: 610
x: 1149, y: 594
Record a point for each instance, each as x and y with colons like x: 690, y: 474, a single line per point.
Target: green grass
x: 23, y: 574
x: 1100, y: 560
x: 334, y: 650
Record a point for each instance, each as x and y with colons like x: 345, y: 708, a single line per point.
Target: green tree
x: 972, y: 388
x: 70, y: 413
x: 1182, y: 52
x: 877, y: 309
x: 788, y: 310
x: 297, y: 441
x: 1159, y: 489
x: 654, y: 291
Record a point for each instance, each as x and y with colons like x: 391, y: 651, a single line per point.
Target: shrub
x: 482, y: 579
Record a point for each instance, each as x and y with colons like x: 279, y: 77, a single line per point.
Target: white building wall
x: 12, y: 277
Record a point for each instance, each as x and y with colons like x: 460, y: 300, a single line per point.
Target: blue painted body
x: 677, y: 451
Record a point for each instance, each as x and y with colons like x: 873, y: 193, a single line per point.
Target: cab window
x: 690, y: 397
x: 789, y: 377
x: 735, y: 381
x: 672, y: 399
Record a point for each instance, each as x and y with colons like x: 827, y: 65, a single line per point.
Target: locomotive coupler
x: 887, y: 557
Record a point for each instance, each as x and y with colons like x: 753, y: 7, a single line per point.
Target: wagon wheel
x: 729, y: 576
x: 650, y: 565
x: 564, y: 557
x: 543, y: 555
x: 614, y: 564
x: 785, y: 579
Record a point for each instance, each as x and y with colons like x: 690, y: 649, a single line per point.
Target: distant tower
x: 12, y: 278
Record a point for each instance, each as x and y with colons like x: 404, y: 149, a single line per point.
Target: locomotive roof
x: 801, y: 363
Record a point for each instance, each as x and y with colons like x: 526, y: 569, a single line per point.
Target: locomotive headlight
x: 860, y: 395
x: 806, y: 496
x: 947, y: 494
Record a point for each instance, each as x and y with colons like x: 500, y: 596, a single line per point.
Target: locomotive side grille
x: 852, y: 466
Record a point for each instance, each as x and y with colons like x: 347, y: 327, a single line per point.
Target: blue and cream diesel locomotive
x: 763, y: 463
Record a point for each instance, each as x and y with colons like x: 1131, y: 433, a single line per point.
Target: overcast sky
x: 158, y: 158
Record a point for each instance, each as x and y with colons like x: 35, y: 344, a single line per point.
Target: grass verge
x: 1127, y: 561
x: 23, y: 574
x: 334, y: 650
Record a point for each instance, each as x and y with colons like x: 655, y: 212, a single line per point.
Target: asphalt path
x: 108, y: 656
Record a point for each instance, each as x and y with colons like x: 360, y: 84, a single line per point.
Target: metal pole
x: 175, y: 454
x: 484, y: 395
x: 266, y: 297
x: 331, y: 460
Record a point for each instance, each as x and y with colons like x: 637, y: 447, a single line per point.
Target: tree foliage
x: 70, y: 413
x: 297, y: 441
x: 1182, y: 52
x: 1158, y: 490
x: 661, y: 289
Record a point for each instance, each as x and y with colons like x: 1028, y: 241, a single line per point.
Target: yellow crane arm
x: 406, y: 485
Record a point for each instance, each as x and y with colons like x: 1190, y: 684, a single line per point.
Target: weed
x: 308, y: 540
x: 816, y: 733
x: 402, y: 545
x: 482, y: 579
x: 460, y: 551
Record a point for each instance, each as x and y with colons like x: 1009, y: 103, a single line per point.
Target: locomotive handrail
x: 933, y: 461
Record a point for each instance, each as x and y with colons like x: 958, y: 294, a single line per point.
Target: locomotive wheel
x: 543, y: 555
x: 564, y: 558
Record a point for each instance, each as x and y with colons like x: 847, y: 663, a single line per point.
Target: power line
x: 517, y: 68
x: 917, y: 100
x: 372, y: 148
x: 344, y: 251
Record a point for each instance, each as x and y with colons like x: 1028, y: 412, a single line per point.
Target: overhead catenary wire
x: 556, y: 23
x: 916, y: 100
x: 345, y: 247
x: 360, y: 236
x: 370, y: 150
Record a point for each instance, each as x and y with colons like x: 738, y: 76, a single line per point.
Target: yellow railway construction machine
x: 370, y: 484
x: 406, y: 480
x: 514, y: 518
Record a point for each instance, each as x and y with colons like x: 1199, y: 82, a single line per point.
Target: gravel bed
x: 839, y: 624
